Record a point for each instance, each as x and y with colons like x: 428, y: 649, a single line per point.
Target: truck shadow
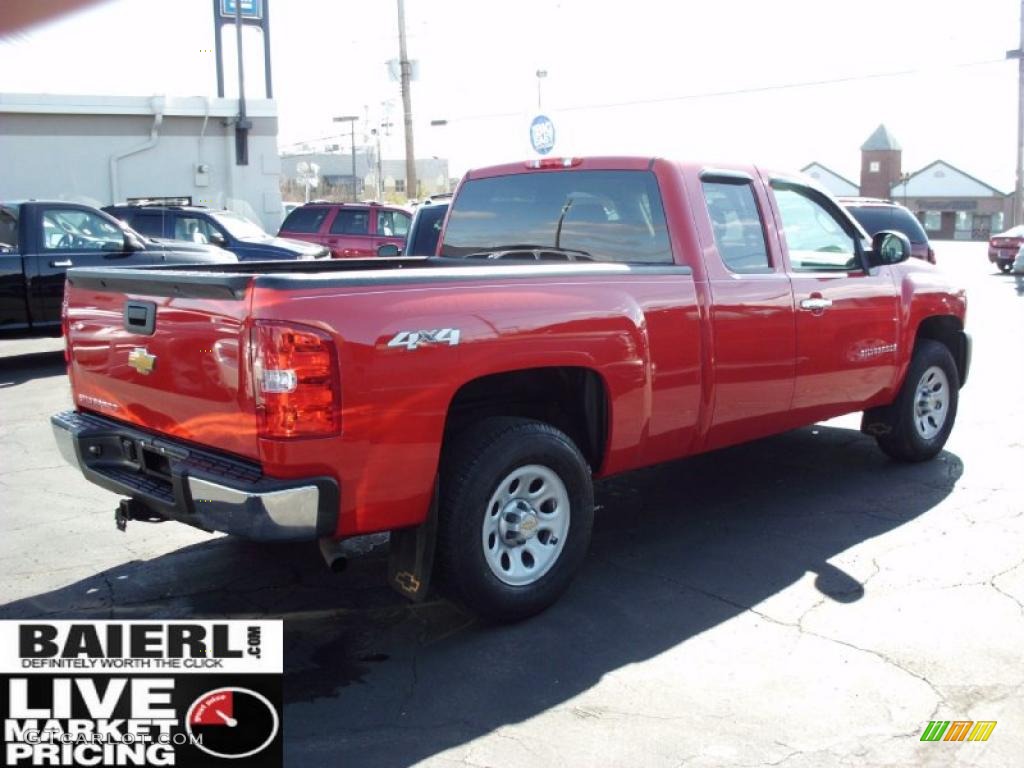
x: 17, y: 369
x: 678, y: 549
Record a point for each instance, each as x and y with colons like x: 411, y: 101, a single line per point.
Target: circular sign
x: 232, y: 722
x: 542, y: 134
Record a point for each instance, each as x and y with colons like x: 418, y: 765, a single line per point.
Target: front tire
x: 923, y: 413
x: 517, y: 507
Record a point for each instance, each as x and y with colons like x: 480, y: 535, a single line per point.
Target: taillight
x: 65, y: 326
x: 295, y: 381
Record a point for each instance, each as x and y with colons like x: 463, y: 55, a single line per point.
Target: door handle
x: 64, y: 263
x: 816, y: 304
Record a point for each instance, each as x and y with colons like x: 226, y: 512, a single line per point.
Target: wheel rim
x: 931, y: 405
x: 525, y: 525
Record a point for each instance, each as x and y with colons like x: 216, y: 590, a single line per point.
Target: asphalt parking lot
x: 799, y: 601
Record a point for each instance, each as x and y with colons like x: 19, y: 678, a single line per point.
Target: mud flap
x: 411, y: 557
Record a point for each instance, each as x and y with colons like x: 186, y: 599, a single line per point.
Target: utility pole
x: 406, y: 68
x: 1018, y: 193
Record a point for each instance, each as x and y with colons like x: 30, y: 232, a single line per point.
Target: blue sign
x: 250, y: 9
x: 542, y: 134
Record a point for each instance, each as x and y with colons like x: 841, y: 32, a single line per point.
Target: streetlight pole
x: 541, y: 74
x: 351, y: 120
x: 1018, y: 193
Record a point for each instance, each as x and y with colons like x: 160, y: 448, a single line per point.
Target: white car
x: 1018, y: 263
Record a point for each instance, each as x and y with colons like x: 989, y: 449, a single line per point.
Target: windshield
x: 604, y: 215
x: 239, y: 226
x: 876, y: 218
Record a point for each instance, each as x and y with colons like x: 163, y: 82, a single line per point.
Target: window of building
x: 997, y: 222
x: 964, y: 225
x: 351, y: 222
x: 736, y: 223
x: 399, y: 185
x: 816, y: 239
x: 874, y: 166
x: 933, y: 220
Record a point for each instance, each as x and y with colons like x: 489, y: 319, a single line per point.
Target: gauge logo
x: 232, y: 722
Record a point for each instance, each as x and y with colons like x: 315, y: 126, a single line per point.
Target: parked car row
x: 220, y: 227
x: 41, y: 240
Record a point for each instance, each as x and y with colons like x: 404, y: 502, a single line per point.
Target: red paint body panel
x: 689, y: 361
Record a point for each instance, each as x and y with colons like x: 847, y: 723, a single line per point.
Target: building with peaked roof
x: 949, y: 202
x: 838, y: 185
x: 952, y: 204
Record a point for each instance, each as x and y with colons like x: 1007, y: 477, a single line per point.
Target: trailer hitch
x: 130, y: 509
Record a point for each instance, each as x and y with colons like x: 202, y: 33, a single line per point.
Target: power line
x: 734, y: 92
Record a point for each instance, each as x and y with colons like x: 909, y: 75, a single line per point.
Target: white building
x: 106, y: 149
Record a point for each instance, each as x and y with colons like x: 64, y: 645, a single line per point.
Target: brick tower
x: 880, y: 164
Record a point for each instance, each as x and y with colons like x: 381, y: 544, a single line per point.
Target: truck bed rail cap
x: 150, y: 282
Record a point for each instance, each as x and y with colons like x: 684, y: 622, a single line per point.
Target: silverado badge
x: 140, y: 359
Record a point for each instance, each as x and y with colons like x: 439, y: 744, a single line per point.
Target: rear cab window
x: 306, y: 220
x: 584, y: 215
x: 736, y: 224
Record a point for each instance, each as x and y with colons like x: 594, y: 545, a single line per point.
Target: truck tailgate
x: 185, y: 376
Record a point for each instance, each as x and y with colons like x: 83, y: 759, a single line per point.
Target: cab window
x: 736, y: 223
x: 817, y: 240
x: 70, y: 229
x: 192, y: 228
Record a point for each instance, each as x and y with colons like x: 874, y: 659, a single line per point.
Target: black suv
x: 875, y: 215
x: 221, y: 227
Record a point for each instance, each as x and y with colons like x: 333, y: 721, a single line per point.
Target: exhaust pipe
x: 336, y: 552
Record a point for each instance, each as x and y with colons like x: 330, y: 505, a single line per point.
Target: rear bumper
x: 212, y: 491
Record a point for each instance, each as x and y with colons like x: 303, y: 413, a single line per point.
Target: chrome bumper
x: 210, y: 491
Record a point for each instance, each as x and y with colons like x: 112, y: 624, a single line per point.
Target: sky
x: 780, y: 84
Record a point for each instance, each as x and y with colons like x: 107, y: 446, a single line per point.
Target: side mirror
x: 218, y: 239
x: 389, y: 251
x: 132, y: 243
x: 888, y: 247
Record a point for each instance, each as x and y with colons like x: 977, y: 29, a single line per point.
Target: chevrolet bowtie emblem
x: 140, y: 359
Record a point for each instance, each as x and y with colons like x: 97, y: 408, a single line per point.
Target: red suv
x: 350, y: 230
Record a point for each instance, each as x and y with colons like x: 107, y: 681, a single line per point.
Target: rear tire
x: 923, y: 413
x: 1005, y: 267
x: 517, y: 508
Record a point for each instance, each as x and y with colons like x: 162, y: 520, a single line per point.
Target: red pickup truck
x: 583, y: 317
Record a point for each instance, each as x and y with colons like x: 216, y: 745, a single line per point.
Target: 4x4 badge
x: 414, y: 339
x: 143, y: 362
